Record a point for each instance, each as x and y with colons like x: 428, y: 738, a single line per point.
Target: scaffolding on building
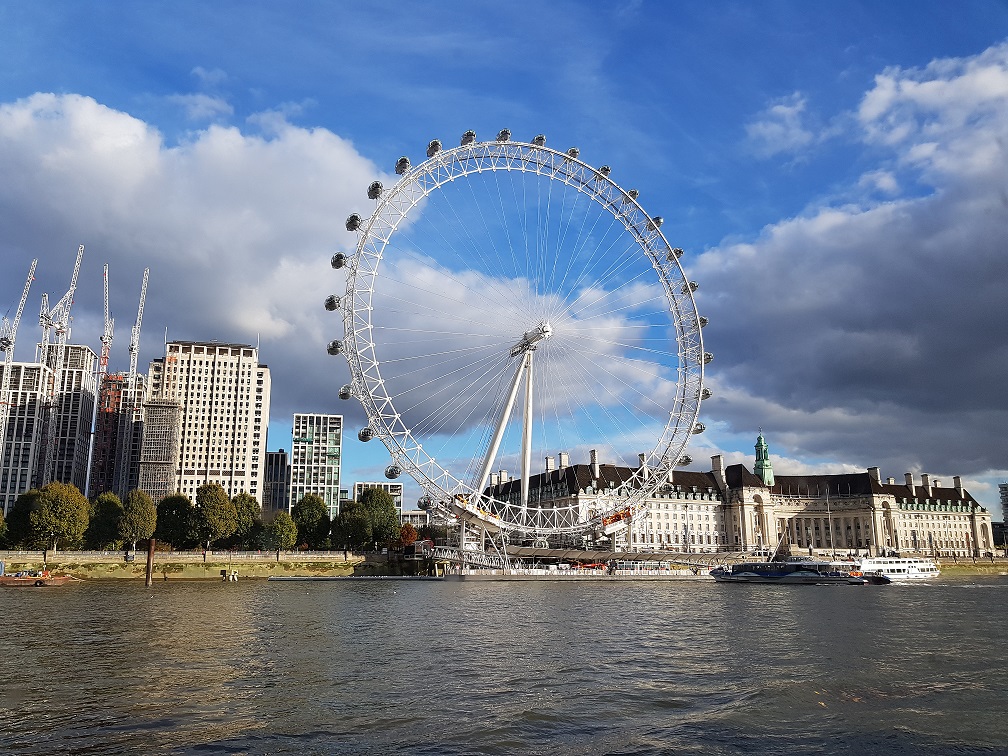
x: 160, y: 448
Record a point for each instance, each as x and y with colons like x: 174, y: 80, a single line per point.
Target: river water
x: 376, y: 667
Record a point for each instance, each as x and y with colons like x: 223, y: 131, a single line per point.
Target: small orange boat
x: 32, y: 579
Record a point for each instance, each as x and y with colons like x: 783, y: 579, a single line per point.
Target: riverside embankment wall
x: 91, y: 565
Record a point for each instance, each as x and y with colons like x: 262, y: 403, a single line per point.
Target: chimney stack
x: 640, y: 463
x: 875, y: 474
x: 717, y: 467
x: 549, y: 464
x: 926, y: 483
x: 564, y: 460
x: 891, y: 481
x: 957, y: 483
x: 503, y: 476
x: 593, y: 461
x: 909, y: 481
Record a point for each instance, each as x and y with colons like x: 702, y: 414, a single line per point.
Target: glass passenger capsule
x: 345, y: 392
x: 468, y: 138
x: 365, y: 434
x: 392, y: 472
x: 375, y: 190
x: 338, y: 260
x: 335, y: 347
x: 402, y: 165
x: 353, y: 222
x: 434, y: 147
x: 332, y: 302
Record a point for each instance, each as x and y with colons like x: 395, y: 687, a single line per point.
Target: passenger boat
x: 787, y: 573
x: 900, y: 568
x: 32, y: 579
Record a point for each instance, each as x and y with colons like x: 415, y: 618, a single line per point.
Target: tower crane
x: 106, y: 342
x: 131, y: 408
x: 56, y: 321
x: 8, y: 334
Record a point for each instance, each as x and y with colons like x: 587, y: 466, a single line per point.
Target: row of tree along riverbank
x: 58, y: 516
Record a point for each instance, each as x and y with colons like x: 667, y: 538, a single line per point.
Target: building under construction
x: 118, y: 436
x: 159, y: 451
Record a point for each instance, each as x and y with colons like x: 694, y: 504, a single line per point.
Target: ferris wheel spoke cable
x: 463, y: 373
x: 578, y: 251
x: 600, y: 365
x: 617, y: 261
x: 438, y: 416
x: 448, y: 245
x: 614, y: 419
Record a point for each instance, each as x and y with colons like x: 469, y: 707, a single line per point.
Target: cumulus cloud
x: 236, y: 228
x: 876, y: 332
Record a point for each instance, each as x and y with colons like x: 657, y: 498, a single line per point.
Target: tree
x: 3, y: 530
x: 248, y: 521
x: 407, y: 535
x: 216, y: 517
x: 386, y: 526
x: 312, y: 519
x: 18, y: 518
x: 55, y: 515
x: 106, y: 517
x: 175, y: 521
x: 282, y: 533
x: 139, y: 518
x: 351, y: 527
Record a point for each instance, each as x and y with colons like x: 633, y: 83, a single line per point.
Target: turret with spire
x: 763, y: 468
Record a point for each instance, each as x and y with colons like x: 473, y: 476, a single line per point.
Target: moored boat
x: 786, y: 573
x: 32, y: 579
x: 901, y: 568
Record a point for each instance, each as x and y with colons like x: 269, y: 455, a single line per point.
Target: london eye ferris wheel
x: 506, y: 304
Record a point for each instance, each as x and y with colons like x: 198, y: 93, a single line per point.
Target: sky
x: 837, y: 174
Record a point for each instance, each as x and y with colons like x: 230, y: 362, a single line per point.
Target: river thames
x: 375, y: 667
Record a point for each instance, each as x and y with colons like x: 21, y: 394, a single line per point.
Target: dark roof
x: 844, y: 484
x: 738, y: 476
x: 576, y: 478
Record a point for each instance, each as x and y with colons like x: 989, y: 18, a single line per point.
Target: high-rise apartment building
x: 41, y: 400
x: 316, y: 448
x: 74, y: 400
x: 395, y: 490
x: 20, y: 455
x: 1003, y: 488
x: 224, y: 395
x: 276, y: 486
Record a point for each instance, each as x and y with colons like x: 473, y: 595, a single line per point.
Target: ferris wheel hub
x: 528, y: 340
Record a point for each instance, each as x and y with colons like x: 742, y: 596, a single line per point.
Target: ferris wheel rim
x: 393, y: 206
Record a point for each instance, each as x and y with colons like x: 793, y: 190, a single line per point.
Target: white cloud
x: 237, y: 229
x: 202, y: 107
x: 780, y: 128
x: 872, y: 332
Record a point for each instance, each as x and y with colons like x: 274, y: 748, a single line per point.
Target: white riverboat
x: 900, y: 568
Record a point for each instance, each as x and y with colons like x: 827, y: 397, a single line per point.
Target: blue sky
x: 835, y: 172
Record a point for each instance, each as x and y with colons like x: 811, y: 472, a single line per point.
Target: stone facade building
x: 733, y: 509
